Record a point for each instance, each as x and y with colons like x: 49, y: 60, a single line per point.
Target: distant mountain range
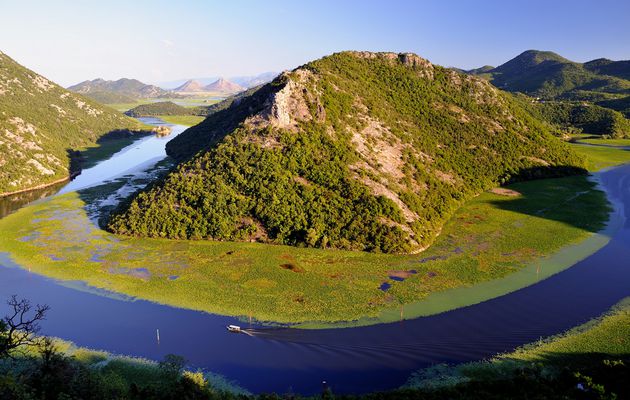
x: 129, y: 90
x: 220, y: 86
x: 120, y: 91
x: 247, y: 81
x: 548, y: 75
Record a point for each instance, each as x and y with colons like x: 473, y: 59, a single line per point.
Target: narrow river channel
x: 355, y: 360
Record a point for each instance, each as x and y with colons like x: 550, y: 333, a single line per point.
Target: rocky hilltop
x: 41, y: 124
x: 357, y: 150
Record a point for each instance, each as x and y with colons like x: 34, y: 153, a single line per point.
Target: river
x: 352, y: 360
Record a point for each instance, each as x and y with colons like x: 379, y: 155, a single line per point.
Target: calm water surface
x: 356, y: 360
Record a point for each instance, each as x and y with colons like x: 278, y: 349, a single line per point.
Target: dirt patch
x: 292, y: 267
x: 445, y: 177
x: 537, y: 161
x: 302, y: 181
x: 260, y: 234
x: 402, y: 274
x: 376, y: 143
x: 505, y: 192
x: 378, y: 189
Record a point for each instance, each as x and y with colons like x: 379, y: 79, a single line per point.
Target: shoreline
x: 436, y: 302
x: 451, y: 298
x: 42, y: 186
x: 536, y: 271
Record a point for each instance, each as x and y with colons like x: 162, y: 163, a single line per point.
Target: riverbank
x: 38, y: 187
x: 499, y: 242
x: 595, y: 353
x: 491, y: 237
x: 76, y: 371
x: 601, y: 156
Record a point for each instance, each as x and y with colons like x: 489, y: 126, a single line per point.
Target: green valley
x: 42, y: 126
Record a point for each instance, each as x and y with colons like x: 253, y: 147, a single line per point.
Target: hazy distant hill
x: 41, y: 123
x: 252, y: 81
x: 548, y: 75
x: 121, y: 91
x: 223, y: 86
x: 189, y: 86
x: 247, y: 81
x: 357, y: 150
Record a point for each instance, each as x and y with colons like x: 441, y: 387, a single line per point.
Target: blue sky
x: 155, y: 41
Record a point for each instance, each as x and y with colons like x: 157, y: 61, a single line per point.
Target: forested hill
x: 40, y: 122
x: 123, y: 90
x: 548, y: 75
x: 357, y: 150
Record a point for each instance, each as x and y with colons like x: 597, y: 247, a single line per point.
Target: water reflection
x: 14, y: 202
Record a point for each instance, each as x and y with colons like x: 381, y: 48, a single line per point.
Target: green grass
x: 122, y: 107
x: 600, y: 157
x: 584, y: 347
x: 489, y: 238
x: 605, y: 142
x: 609, y: 334
x: 186, y: 120
x: 130, y: 370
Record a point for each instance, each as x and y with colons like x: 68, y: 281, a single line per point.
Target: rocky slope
x: 41, y: 124
x: 357, y: 150
x: 121, y: 91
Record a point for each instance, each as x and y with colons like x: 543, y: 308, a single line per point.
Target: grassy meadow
x: 491, y: 237
x: 605, y: 142
x: 186, y: 120
x: 600, y: 157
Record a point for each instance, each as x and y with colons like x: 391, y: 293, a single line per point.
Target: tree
x: 20, y: 327
x: 172, y: 365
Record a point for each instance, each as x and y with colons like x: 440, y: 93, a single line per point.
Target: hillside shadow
x: 558, y: 194
x: 553, y: 373
x: 222, y: 121
x: 106, y: 146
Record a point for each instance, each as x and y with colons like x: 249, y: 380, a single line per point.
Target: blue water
x: 355, y: 360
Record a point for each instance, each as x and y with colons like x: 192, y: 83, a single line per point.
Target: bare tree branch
x: 18, y: 329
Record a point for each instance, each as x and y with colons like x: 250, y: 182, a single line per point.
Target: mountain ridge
x: 320, y: 158
x: 550, y: 76
x: 122, y: 90
x: 42, y: 125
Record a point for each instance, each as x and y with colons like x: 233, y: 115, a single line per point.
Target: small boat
x: 234, y: 328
